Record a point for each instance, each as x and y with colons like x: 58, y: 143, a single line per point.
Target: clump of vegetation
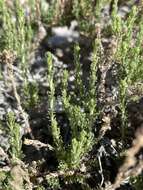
x: 76, y: 146
x: 15, y: 139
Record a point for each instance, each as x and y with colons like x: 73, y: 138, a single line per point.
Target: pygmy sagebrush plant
x: 15, y: 152
x: 128, y: 55
x: 15, y: 137
x: 80, y: 108
x: 30, y: 91
x: 16, y: 31
x: 88, y: 13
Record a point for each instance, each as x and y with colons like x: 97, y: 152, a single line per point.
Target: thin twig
x: 8, y: 58
x: 132, y: 166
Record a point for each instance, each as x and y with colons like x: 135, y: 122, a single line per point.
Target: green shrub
x: 128, y: 56
x: 16, y: 32
x: 81, y: 114
x: 80, y: 106
x: 15, y: 137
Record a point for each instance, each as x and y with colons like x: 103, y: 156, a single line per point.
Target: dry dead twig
x: 132, y: 166
x: 8, y: 57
